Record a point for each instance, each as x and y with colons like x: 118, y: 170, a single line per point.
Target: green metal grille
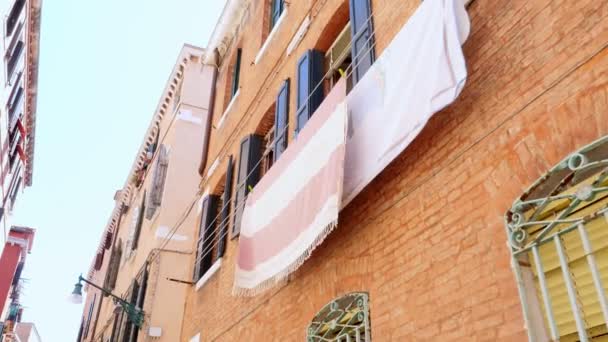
x: 344, y: 319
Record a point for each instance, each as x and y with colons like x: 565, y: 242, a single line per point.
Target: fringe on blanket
x: 282, y: 277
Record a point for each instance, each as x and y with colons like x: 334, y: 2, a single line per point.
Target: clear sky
x: 103, y: 66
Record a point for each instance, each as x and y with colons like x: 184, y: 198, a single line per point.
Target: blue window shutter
x: 281, y: 120
x: 248, y: 175
x: 310, y: 91
x: 362, y: 30
x: 276, y: 8
x: 225, y: 219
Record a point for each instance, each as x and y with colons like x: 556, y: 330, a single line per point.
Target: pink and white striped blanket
x: 295, y: 205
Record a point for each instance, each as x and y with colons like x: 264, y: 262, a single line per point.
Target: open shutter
x: 99, y: 260
x: 158, y: 182
x: 236, y: 72
x: 225, y: 219
x: 112, y: 273
x: 281, y: 119
x: 206, y: 236
x: 138, y: 223
x: 248, y: 175
x: 310, y: 92
x: 362, y: 30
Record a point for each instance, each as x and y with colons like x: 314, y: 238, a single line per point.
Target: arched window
x: 343, y: 319
x: 558, y: 237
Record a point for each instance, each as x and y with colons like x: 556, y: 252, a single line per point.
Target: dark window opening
x: 236, y: 72
x: 14, y: 59
x: 205, y: 249
x: 13, y: 16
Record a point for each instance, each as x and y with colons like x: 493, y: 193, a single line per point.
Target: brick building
x: 488, y: 226
x: 425, y: 241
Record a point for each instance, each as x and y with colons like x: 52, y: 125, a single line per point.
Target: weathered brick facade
x: 426, y: 238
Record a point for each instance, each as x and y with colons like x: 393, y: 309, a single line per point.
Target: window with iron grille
x: 558, y: 237
x: 344, y: 319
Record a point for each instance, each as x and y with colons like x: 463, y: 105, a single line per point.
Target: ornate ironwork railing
x: 558, y: 236
x: 344, y: 319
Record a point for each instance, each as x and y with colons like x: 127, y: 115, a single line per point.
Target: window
x: 112, y: 273
x: 99, y: 260
x: 13, y: 59
x: 89, y: 316
x: 310, y: 93
x: 281, y: 121
x: 362, y: 32
x: 248, y: 175
x: 557, y: 236
x: 276, y: 8
x: 158, y: 182
x: 206, y: 248
x: 215, y: 220
x: 268, y: 146
x: 344, y: 319
x: 236, y: 73
x: 274, y: 129
x: 138, y: 219
x: 13, y: 16
x: 338, y: 60
x: 125, y: 329
x: 225, y: 210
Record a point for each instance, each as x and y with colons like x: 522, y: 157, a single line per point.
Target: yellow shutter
x: 586, y: 293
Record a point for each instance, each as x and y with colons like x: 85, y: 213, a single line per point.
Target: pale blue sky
x: 103, y: 66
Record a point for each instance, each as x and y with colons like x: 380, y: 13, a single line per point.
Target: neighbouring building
x: 27, y: 332
x: 377, y: 170
x: 12, y: 261
x: 141, y: 258
x: 21, y: 43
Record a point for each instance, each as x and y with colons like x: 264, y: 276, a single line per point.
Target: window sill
x: 230, y: 105
x: 271, y: 35
x: 210, y: 272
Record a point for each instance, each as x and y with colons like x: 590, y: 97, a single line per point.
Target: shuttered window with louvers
x: 362, y: 32
x: 248, y: 175
x: 206, y: 236
x: 112, y: 273
x: 139, y: 220
x: 309, y: 93
x: 225, y: 210
x: 281, y: 120
x: 155, y: 194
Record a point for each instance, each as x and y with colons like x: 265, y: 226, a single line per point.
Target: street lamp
x: 136, y: 315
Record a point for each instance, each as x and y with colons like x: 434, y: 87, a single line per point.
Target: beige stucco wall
x: 181, y: 132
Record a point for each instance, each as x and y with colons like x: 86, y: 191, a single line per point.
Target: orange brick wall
x: 426, y: 238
